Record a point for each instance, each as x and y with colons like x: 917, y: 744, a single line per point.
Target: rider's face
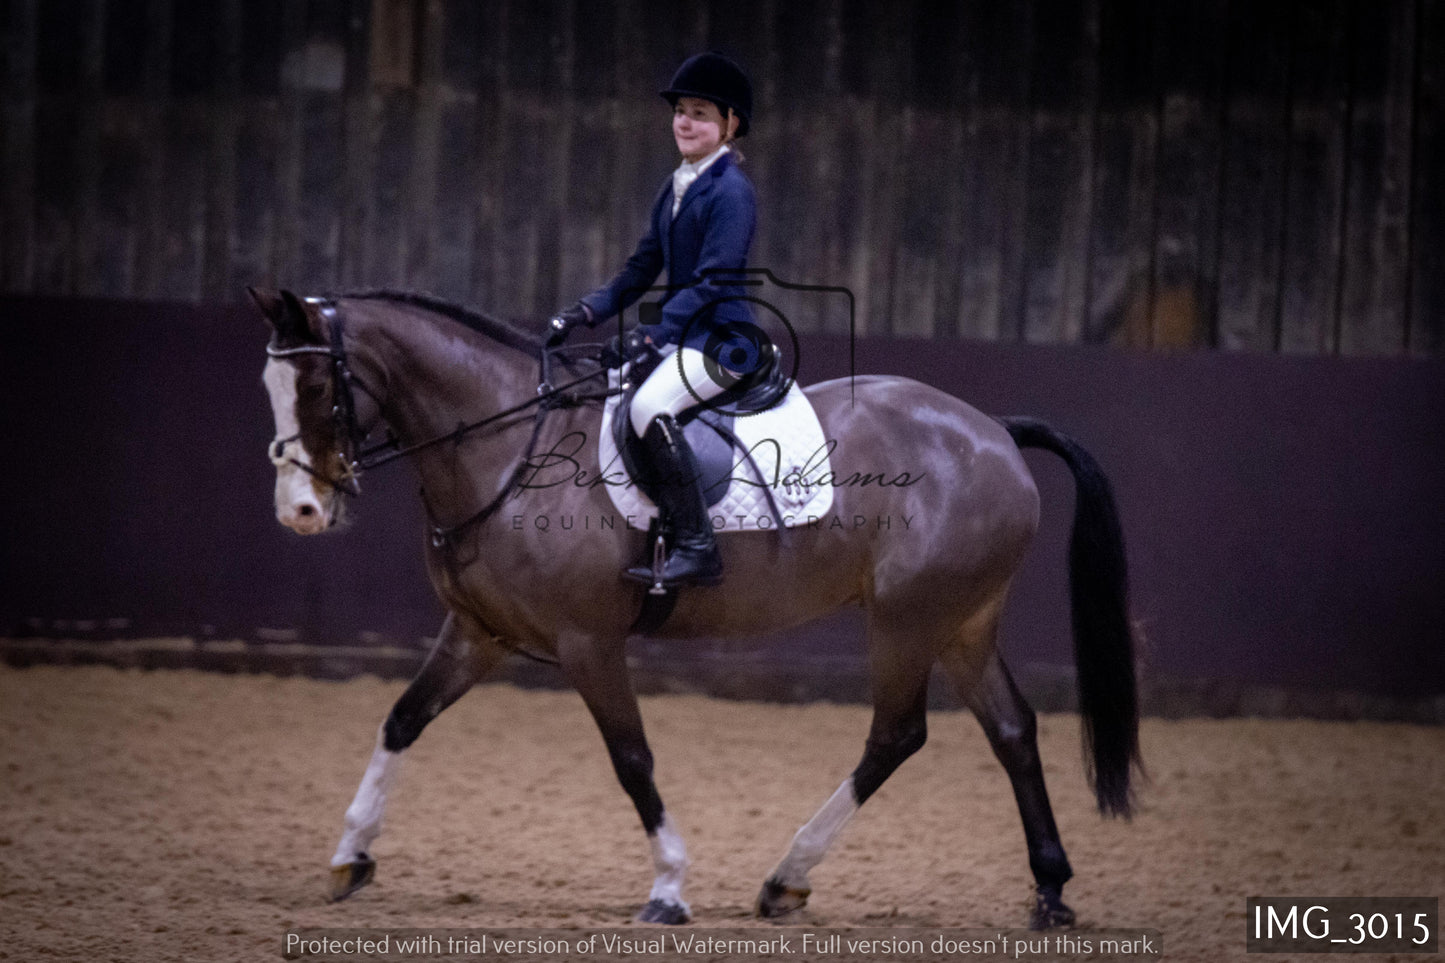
x: 697, y: 126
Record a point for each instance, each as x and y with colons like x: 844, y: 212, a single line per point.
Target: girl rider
x: 702, y: 222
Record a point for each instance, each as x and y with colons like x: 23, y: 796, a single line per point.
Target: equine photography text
x: 611, y: 521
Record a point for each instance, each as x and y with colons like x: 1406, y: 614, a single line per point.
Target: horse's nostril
x: 306, y: 511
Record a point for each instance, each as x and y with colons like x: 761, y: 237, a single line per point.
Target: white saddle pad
x: 787, y: 445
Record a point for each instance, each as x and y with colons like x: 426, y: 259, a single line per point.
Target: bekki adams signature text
x: 561, y: 465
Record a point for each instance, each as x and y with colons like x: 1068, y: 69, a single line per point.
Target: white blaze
x: 299, y: 504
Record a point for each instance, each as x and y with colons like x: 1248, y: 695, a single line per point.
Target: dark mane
x: 494, y: 328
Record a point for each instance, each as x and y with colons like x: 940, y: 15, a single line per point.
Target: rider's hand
x: 567, y: 319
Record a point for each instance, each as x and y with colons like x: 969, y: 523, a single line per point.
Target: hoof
x: 1050, y: 911
x: 776, y: 899
x: 349, y: 878
x: 669, y: 914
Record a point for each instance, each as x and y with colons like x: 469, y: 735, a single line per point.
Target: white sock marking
x: 669, y: 859
x: 363, y: 816
x: 811, y: 843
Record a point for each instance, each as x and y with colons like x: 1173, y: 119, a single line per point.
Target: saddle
x: 765, y: 412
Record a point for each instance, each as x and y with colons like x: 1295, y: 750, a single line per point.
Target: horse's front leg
x: 454, y: 665
x: 598, y: 670
x: 899, y: 665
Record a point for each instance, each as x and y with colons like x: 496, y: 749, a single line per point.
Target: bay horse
x: 932, y: 591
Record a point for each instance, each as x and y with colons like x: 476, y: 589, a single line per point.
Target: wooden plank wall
x: 1187, y: 173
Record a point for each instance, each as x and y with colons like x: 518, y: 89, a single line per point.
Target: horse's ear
x: 270, y: 303
x: 302, y: 319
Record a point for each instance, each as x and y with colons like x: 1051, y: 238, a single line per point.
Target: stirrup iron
x: 659, y: 560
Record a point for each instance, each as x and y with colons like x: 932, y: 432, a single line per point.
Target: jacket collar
x: 704, y: 182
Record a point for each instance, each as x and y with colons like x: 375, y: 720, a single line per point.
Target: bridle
x: 343, y: 407
x: 357, y: 457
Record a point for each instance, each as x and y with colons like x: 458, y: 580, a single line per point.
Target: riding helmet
x: 714, y: 77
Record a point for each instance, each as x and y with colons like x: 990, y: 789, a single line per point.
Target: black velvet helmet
x: 714, y: 77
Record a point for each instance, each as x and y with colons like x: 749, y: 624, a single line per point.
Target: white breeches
x: 672, y: 388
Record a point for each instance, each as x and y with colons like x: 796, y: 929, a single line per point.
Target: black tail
x: 1103, y: 638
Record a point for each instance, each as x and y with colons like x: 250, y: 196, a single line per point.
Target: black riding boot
x: 694, y: 557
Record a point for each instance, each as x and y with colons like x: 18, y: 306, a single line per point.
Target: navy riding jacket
x: 712, y: 232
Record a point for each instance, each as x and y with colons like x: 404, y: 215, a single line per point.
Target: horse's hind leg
x: 1010, y: 725
x: 599, y: 673
x: 454, y: 665
x: 899, y: 665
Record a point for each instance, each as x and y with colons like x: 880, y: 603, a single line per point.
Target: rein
x: 549, y: 399
x: 343, y: 413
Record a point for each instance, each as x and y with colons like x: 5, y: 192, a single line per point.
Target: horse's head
x: 313, y: 450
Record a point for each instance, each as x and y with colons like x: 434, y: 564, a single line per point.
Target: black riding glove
x: 559, y: 327
x: 622, y: 348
